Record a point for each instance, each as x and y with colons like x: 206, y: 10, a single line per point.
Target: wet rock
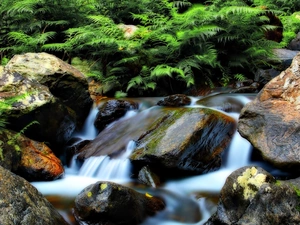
x: 21, y: 203
x: 106, y: 203
x: 175, y: 101
x: 148, y: 177
x: 271, y: 122
x: 113, y: 139
x: 252, y: 196
x: 185, y: 140
x: 111, y: 111
x: 31, y: 159
x: 64, y: 81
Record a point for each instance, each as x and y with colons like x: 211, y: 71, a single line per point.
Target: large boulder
x: 22, y: 204
x: 271, y: 122
x: 64, y: 81
x: 33, y: 107
x: 252, y: 196
x: 45, y: 90
x: 184, y: 139
x: 31, y: 159
x: 105, y: 203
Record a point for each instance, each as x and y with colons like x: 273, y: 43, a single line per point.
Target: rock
x: 10, y: 151
x: 114, y: 138
x: 148, y: 177
x: 284, y: 57
x: 252, y: 196
x: 22, y: 204
x: 64, y: 81
x: 111, y: 111
x: 271, y: 122
x: 295, y: 43
x: 175, y: 101
x: 32, y: 160
x: 73, y: 147
x: 38, y: 163
x: 185, y: 140
x: 35, y: 111
x: 263, y: 76
x: 224, y: 102
x: 106, y: 203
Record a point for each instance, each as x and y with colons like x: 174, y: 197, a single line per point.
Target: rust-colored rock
x: 39, y: 163
x: 31, y: 159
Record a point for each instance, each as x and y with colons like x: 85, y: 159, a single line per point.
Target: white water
x: 89, y: 131
x: 118, y: 170
x: 107, y: 169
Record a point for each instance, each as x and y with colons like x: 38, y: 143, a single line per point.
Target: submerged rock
x: 271, y: 122
x: 252, y: 196
x: 22, y: 204
x: 106, y: 203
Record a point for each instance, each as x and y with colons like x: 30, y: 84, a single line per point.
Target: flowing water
x: 189, y: 201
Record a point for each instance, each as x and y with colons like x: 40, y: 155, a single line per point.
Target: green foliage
x: 177, y: 44
x: 292, y: 27
x: 29, y: 24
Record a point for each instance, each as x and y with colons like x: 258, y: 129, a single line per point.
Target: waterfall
x: 89, y: 131
x: 106, y: 168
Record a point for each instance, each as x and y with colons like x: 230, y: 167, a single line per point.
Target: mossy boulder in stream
x: 185, y: 140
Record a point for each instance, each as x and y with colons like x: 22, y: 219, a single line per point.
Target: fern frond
x: 125, y: 60
x: 165, y: 70
x: 239, y: 77
x: 26, y: 6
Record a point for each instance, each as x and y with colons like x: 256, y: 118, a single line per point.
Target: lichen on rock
x: 250, y: 181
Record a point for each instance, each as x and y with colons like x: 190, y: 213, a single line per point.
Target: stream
x: 189, y: 201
